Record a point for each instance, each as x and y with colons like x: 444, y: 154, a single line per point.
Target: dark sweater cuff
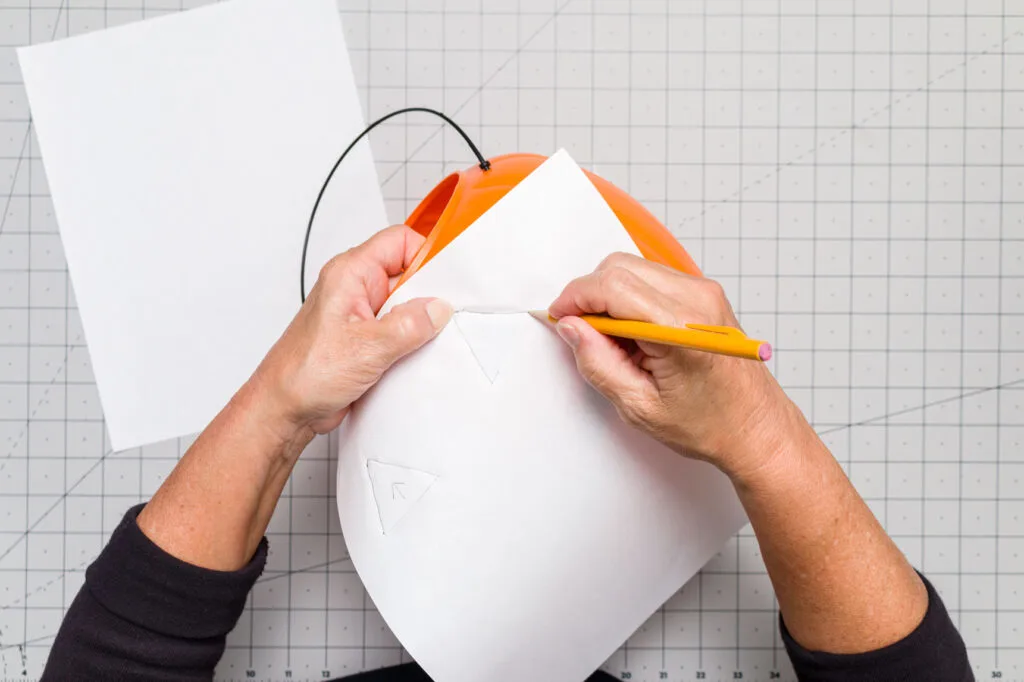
x: 934, y: 651
x: 145, y: 585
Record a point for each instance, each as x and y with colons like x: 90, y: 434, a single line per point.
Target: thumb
x: 408, y: 326
x: 604, y: 364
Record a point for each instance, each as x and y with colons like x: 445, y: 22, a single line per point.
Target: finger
x: 385, y: 255
x: 617, y: 292
x: 694, y: 299
x: 606, y: 366
x: 391, y: 250
x: 360, y: 277
x: 661, y: 277
x: 654, y: 350
x: 406, y: 328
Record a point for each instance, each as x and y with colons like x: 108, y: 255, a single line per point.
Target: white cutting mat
x: 852, y: 173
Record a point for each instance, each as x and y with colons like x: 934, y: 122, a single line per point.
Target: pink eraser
x: 765, y: 352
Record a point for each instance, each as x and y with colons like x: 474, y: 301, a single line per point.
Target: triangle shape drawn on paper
x: 490, y: 338
x: 396, y: 489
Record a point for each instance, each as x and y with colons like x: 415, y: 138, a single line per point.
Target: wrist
x: 267, y: 412
x: 766, y: 443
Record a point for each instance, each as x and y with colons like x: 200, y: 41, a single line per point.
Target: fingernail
x: 569, y: 334
x: 439, y: 313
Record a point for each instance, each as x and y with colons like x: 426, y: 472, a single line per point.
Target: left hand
x: 215, y: 506
x: 335, y: 349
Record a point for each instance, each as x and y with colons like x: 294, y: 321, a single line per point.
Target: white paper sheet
x: 544, y: 531
x: 184, y: 155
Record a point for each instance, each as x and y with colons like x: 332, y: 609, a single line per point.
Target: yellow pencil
x: 702, y: 337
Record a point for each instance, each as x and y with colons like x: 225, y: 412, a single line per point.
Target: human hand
x: 335, y: 349
x: 711, y: 407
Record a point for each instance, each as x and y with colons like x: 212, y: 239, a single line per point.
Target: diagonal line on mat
x: 479, y: 89
x: 56, y: 504
x: 846, y: 131
x: 3, y: 223
x: 266, y: 578
x: 44, y: 586
x: 907, y: 410
x: 19, y: 645
x: 68, y: 350
x: 14, y: 176
x: 46, y: 392
x: 306, y: 569
x: 261, y: 580
x: 28, y: 133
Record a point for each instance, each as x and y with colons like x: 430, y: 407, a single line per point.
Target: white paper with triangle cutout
x: 552, y: 530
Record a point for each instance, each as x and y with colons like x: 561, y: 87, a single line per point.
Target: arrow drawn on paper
x: 396, y: 489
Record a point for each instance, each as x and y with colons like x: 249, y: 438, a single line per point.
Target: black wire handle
x: 484, y: 164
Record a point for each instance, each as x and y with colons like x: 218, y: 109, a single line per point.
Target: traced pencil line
x: 846, y: 131
x: 376, y: 502
x: 907, y: 410
x: 465, y: 339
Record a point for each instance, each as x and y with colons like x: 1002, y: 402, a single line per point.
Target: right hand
x: 720, y: 409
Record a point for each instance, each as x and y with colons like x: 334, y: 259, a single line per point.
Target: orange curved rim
x: 462, y: 197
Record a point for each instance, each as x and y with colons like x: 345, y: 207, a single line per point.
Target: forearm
x: 842, y: 584
x: 214, y: 508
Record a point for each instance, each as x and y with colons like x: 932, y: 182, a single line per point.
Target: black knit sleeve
x: 145, y: 615
x: 933, y: 652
